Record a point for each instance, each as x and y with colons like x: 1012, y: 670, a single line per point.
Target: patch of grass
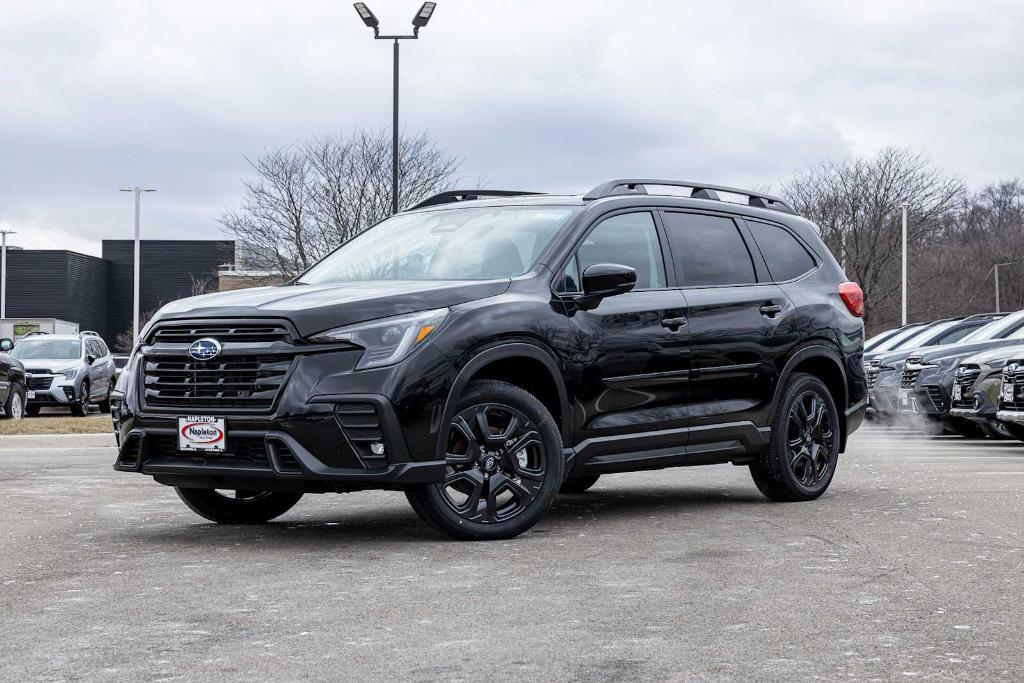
x: 98, y: 423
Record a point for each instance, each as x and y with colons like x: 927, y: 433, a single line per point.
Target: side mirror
x: 90, y: 359
x: 603, y: 280
x: 6, y: 344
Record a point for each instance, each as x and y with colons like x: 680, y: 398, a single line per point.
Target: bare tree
x: 857, y: 203
x: 306, y: 200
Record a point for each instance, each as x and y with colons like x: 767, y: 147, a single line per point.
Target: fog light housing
x: 377, y: 448
x: 70, y: 393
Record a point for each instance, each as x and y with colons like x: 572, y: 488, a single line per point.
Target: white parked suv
x: 66, y: 370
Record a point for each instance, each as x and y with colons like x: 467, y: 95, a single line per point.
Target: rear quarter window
x: 786, y: 258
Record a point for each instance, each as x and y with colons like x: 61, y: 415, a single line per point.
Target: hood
x: 51, y: 364
x: 964, y: 350
x: 315, y: 308
x: 997, y: 354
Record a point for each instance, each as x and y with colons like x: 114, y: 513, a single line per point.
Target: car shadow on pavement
x: 386, y: 524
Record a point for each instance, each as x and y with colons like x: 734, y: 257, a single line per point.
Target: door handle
x: 673, y: 324
x: 771, y: 310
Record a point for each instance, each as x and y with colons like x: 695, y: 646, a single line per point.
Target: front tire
x: 80, y: 408
x: 246, y: 507
x: 14, y: 406
x: 504, y: 466
x: 804, y: 449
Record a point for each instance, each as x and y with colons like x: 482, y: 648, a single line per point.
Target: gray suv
x: 72, y: 370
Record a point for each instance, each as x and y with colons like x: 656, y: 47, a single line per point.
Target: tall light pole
x: 418, y: 22
x: 904, y: 265
x: 996, y: 269
x: 3, y: 272
x: 138, y: 250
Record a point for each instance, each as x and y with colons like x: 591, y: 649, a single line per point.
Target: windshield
x: 49, y: 349
x: 454, y: 244
x: 895, y: 340
x: 870, y: 344
x: 997, y: 329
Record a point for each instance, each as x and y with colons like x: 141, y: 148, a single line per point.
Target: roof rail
x: 89, y: 333
x: 982, y: 316
x: 465, y: 195
x: 698, y: 191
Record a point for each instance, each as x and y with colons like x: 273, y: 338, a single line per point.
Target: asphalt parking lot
x: 909, y: 568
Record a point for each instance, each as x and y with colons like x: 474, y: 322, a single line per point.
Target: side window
x: 93, y: 348
x: 570, y: 278
x: 708, y: 250
x: 787, y: 259
x: 629, y: 239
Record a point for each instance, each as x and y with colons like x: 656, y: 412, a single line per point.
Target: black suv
x: 485, y: 349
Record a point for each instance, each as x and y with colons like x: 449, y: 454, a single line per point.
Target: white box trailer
x: 18, y: 328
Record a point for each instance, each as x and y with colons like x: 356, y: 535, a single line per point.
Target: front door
x: 630, y: 354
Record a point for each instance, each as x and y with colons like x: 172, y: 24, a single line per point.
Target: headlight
x: 998, y: 364
x: 946, y: 364
x: 386, y: 341
x: 70, y: 374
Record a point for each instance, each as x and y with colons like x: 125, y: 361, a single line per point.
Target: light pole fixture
x: 3, y: 272
x: 138, y: 232
x: 995, y: 268
x: 418, y: 21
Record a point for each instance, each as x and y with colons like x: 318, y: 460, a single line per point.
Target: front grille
x: 1017, y: 378
x: 965, y: 378
x: 249, y: 333
x: 908, y: 380
x: 37, y: 383
x: 227, y: 381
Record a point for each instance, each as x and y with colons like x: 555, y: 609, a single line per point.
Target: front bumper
x: 50, y: 390
x: 331, y: 429
x: 1011, y: 416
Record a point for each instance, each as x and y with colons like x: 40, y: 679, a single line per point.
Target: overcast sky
x: 552, y: 96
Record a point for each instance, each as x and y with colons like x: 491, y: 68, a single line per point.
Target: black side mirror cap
x: 603, y: 280
x: 90, y: 359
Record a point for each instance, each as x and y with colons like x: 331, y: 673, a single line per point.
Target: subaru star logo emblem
x: 204, y: 349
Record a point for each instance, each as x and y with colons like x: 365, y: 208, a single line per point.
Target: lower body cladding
x: 316, y: 440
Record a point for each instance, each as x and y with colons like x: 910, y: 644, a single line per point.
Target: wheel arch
x: 526, y: 365
x: 825, y: 363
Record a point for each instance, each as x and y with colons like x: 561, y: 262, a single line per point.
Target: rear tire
x: 14, y: 406
x: 580, y: 483
x: 504, y: 466
x: 804, y: 449
x: 254, y: 507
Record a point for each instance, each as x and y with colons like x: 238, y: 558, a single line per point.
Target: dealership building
x: 96, y: 292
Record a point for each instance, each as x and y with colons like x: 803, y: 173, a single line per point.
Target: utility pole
x: 3, y: 274
x: 995, y: 268
x: 905, y: 265
x: 138, y: 254
x: 418, y: 22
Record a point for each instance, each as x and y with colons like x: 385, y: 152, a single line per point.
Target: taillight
x: 853, y: 296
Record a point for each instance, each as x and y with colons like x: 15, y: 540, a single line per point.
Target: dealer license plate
x: 201, y: 433
x: 907, y: 402
x: 1008, y: 392
x: 29, y: 395
x: 958, y: 392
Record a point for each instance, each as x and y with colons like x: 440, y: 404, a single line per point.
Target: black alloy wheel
x: 810, y: 437
x: 503, y: 466
x: 803, y: 451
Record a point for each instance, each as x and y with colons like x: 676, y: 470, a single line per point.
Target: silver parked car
x: 66, y: 370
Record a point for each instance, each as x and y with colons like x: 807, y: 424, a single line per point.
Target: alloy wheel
x: 810, y: 439
x: 17, y: 408
x: 495, y: 463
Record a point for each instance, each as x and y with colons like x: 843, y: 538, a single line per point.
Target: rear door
x: 734, y: 314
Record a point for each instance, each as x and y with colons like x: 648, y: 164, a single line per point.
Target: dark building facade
x: 171, y: 269
x: 96, y: 292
